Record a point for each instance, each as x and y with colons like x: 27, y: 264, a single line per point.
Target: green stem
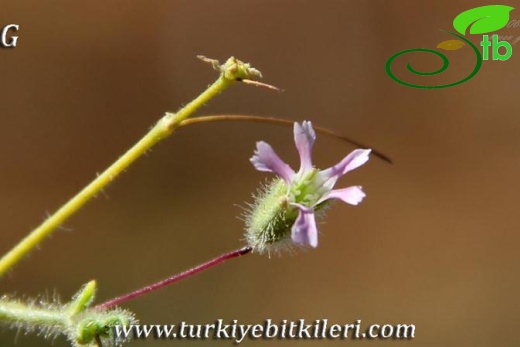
x: 230, y: 72
x: 76, y: 320
x: 17, y: 312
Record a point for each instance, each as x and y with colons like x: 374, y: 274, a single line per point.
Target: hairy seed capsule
x: 268, y: 224
x: 271, y: 217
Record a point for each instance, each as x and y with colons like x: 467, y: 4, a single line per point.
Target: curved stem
x: 163, y: 283
x: 280, y: 121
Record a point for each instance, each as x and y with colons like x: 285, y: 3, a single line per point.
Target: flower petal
x: 351, y: 195
x: 266, y: 159
x: 352, y: 161
x: 304, y: 230
x: 304, y: 137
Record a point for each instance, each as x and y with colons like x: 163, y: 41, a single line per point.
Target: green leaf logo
x: 484, y: 19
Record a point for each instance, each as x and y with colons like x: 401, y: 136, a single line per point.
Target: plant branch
x: 230, y: 72
x: 280, y: 121
x: 161, y: 284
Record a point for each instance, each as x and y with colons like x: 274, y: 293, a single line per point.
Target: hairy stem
x: 230, y: 72
x: 82, y: 325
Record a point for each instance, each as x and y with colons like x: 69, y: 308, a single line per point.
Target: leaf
x: 451, y: 45
x: 484, y: 19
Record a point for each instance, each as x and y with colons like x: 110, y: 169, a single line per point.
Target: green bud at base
x: 269, y: 222
x: 271, y: 217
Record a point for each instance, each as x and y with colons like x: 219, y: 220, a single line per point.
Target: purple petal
x: 351, y: 195
x: 304, y: 137
x: 265, y: 159
x: 304, y: 230
x: 354, y: 160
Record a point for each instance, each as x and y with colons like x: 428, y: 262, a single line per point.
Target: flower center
x: 307, y: 188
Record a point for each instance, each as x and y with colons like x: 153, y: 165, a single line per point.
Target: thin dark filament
x: 161, y: 284
x: 284, y: 122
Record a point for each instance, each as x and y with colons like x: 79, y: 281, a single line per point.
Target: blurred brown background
x: 434, y: 243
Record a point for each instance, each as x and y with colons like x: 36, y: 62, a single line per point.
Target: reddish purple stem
x: 161, y: 284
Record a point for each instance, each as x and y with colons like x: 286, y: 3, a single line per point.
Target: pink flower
x: 308, y: 188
